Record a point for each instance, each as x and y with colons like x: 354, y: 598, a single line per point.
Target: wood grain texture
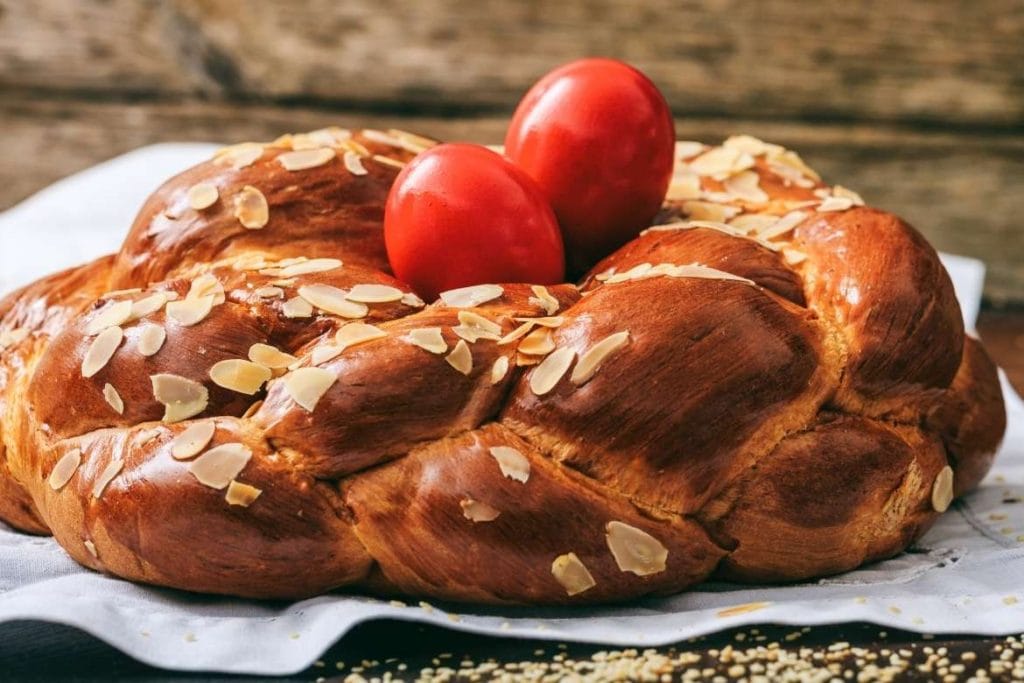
x: 961, y: 190
x: 955, y: 61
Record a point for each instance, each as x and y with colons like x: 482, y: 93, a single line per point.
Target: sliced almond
x: 327, y: 352
x: 148, y: 305
x: 538, y: 343
x: 688, y: 148
x: 65, y: 468
x: 251, y: 208
x: 412, y: 142
x: 193, y: 440
x: 242, y: 495
x: 202, y: 196
x: 574, y: 576
x: 524, y: 360
x: 477, y: 511
x: 794, y: 257
x: 206, y: 284
x: 591, y: 360
x: 101, y: 350
x: 354, y: 164
x: 722, y: 162
x: 331, y: 136
x: 551, y: 321
x: 353, y: 334
x: 705, y: 273
x: 113, y: 398
x: 147, y: 436
x: 846, y: 193
x: 151, y: 338
x: 637, y: 272
x: 410, y: 299
x: 306, y: 386
x: 218, y: 466
x: 91, y: 547
x: 499, y: 369
x: 375, y: 294
x: 113, y: 315
x: 745, y: 186
x: 240, y: 155
x: 112, y: 469
x: 427, y: 338
x: 789, y: 159
x: 270, y: 357
x: 685, y: 184
x: 750, y: 145
x: 468, y: 297
x: 239, y: 375
x: 474, y: 327
x: 727, y: 228
x: 249, y: 261
x: 401, y: 139
x: 333, y: 300
x: 461, y: 358
x: 782, y: 226
x: 635, y: 550
x: 512, y: 462
x: 835, y: 204
x: 752, y: 222
x: 942, y: 489
x: 297, y: 308
x: 269, y: 292
x: 517, y: 333
x: 317, y: 265
x: 546, y: 375
x: 182, y: 397
x: 543, y: 299
x: 188, y: 312
x: 388, y: 161
x: 302, y: 159
x: 709, y: 211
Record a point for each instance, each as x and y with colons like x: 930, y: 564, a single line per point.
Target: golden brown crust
x: 970, y: 417
x: 688, y: 338
x: 845, y: 492
x: 555, y: 511
x: 883, y: 286
x: 768, y: 386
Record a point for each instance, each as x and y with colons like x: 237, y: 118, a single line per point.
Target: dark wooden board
x: 412, y: 652
x: 951, y: 62
x: 962, y: 190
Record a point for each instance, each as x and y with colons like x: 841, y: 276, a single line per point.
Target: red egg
x: 461, y: 215
x: 599, y: 139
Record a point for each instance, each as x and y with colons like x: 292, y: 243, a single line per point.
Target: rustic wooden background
x: 918, y: 103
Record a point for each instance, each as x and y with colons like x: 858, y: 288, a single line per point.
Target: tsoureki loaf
x: 773, y: 384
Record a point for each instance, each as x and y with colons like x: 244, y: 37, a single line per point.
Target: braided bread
x: 771, y: 384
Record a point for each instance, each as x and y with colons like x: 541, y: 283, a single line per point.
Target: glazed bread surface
x: 771, y: 384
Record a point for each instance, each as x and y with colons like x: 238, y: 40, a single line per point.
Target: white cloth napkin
x: 963, y: 576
